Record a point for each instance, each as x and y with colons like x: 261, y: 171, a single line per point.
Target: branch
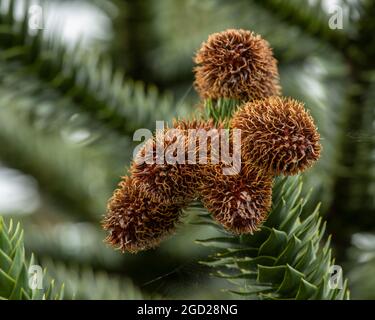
x: 73, y: 177
x: 312, y: 21
x: 85, y: 78
x: 284, y: 260
x: 14, y: 269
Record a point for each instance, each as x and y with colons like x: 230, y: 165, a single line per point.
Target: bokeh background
x: 73, y: 92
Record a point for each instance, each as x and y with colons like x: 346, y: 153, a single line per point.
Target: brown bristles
x: 184, y: 124
x: 164, y: 182
x: 135, y: 222
x: 236, y: 64
x: 172, y: 182
x: 239, y: 202
x: 206, y: 138
x: 278, y: 135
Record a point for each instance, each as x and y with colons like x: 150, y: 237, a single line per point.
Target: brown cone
x: 236, y: 64
x: 163, y: 182
x: 278, y: 135
x: 135, y: 222
x: 239, y: 202
x: 168, y: 182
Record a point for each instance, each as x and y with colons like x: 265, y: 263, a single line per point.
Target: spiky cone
x: 239, y: 202
x: 236, y: 64
x: 163, y: 180
x: 278, y: 135
x: 204, y: 145
x: 168, y: 182
x: 203, y: 140
x: 135, y: 222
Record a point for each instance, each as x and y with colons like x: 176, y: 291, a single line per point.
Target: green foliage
x: 87, y: 250
x: 312, y: 20
x: 285, y: 259
x: 80, y: 198
x: 220, y: 110
x: 70, y: 283
x: 87, y: 284
x: 362, y: 266
x: 85, y: 79
x: 14, y: 269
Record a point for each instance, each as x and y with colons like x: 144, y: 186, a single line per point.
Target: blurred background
x: 77, y: 77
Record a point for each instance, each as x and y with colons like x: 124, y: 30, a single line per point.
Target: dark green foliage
x: 289, y: 258
x: 286, y: 259
x: 14, y: 268
x: 85, y: 79
x: 86, y: 284
x: 68, y: 163
x: 312, y: 20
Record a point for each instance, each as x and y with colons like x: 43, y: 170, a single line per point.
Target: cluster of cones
x: 278, y: 137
